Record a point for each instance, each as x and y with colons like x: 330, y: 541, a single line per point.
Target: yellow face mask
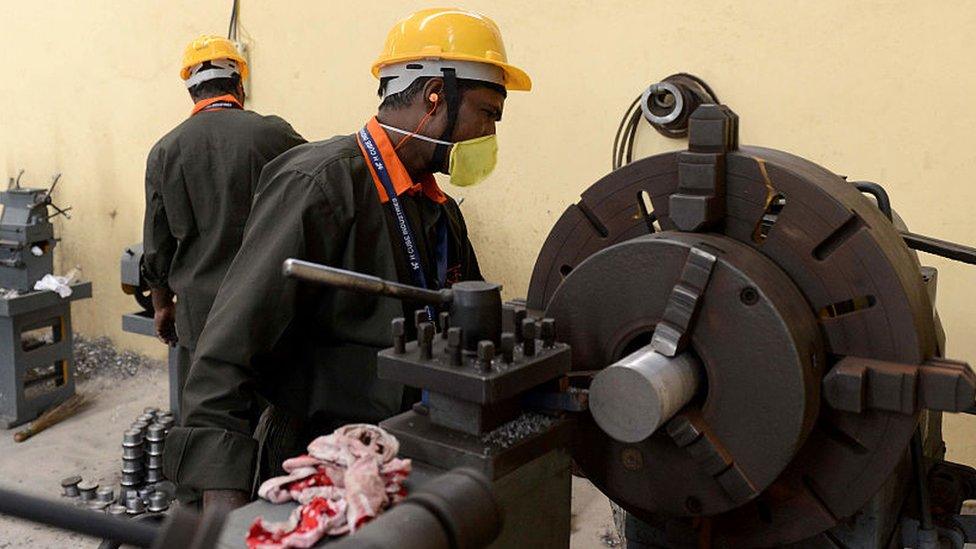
x: 471, y: 161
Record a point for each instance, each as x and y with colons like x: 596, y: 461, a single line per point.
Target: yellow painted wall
x: 874, y: 90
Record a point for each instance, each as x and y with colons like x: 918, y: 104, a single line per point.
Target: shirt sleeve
x: 213, y: 448
x: 158, y: 242
x: 470, y: 270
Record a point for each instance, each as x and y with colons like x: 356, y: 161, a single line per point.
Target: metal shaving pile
x: 100, y: 357
x: 512, y: 432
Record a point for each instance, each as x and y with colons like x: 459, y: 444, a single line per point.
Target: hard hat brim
x: 241, y: 62
x: 515, y: 78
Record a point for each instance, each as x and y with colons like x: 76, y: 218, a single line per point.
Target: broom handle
x: 21, y: 436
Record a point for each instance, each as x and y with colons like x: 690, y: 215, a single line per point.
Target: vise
x: 26, y: 238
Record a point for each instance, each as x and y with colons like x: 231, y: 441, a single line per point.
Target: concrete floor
x: 89, y: 445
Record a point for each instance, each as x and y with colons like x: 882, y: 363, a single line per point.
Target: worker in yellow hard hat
x: 365, y: 202
x: 200, y: 178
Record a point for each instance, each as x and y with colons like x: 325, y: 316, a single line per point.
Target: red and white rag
x: 346, y: 479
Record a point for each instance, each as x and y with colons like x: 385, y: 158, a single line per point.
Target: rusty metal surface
x: 860, y: 284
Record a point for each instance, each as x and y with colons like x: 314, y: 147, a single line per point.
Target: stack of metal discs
x: 133, y: 459
x: 155, y: 439
x: 143, y: 487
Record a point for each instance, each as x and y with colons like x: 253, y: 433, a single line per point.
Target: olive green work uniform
x: 200, y: 180
x: 309, y: 350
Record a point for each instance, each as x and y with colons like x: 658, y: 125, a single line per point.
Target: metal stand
x: 177, y: 358
x: 36, y: 374
x: 141, y: 322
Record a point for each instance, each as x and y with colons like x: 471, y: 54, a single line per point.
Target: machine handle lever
x: 362, y: 283
x: 944, y: 248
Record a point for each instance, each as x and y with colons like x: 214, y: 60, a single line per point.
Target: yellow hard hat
x: 451, y: 34
x: 209, y: 47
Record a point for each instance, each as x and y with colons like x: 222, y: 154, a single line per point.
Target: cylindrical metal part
x: 131, y: 479
x: 154, y: 475
x: 132, y: 452
x: 156, y: 433
x: 634, y: 396
x: 135, y: 506
x: 132, y: 438
x: 477, y: 310
x: 69, y: 486
x: 87, y: 490
x: 158, y: 502
x: 76, y: 520
x: 132, y: 466
x: 105, y: 494
x: 358, y: 282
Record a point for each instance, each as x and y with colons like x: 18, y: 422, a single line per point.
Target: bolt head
x: 486, y: 350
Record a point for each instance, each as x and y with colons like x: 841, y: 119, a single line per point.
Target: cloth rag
x: 60, y: 285
x: 346, y: 479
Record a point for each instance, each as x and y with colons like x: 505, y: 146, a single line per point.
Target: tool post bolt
x: 519, y: 320
x: 444, y: 322
x: 399, y: 338
x: 420, y: 315
x: 547, y: 332
x: 486, y: 353
x: 508, y: 347
x: 426, y: 339
x: 455, y: 340
x: 528, y: 333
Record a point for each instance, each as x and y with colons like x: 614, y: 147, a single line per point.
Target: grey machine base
x: 36, y: 375
x: 177, y: 359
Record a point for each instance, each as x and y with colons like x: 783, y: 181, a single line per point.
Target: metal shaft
x: 358, y: 282
x: 634, y: 396
x: 82, y: 521
x: 944, y: 248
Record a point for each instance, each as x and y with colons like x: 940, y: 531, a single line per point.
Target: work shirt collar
x: 216, y: 103
x: 402, y: 182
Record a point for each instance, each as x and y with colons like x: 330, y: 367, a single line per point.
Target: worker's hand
x: 224, y: 500
x: 165, y: 321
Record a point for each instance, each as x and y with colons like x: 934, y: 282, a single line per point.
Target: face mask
x: 471, y: 161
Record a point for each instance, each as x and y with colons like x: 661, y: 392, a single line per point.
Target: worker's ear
x: 433, y: 94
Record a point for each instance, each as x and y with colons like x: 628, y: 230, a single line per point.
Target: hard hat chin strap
x: 453, y: 98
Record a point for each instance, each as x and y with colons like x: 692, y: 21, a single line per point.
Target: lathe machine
x: 737, y: 346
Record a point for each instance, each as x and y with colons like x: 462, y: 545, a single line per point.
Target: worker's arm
x: 158, y: 247
x: 214, y: 449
